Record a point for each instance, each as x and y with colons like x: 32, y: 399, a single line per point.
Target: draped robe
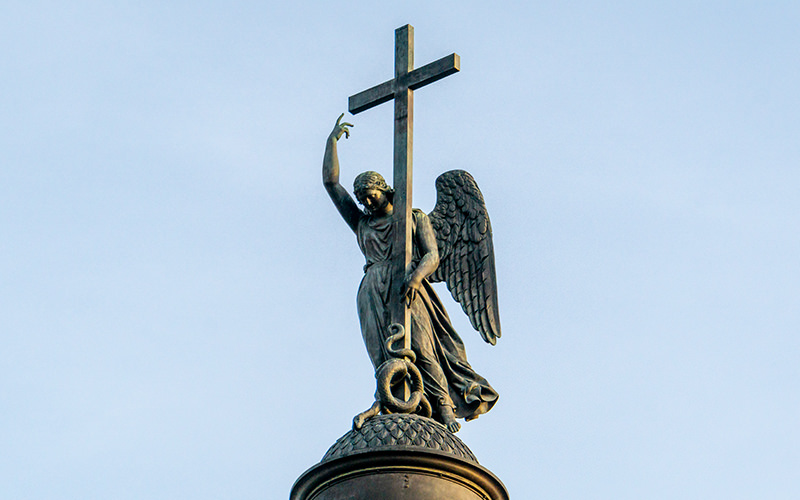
x: 441, y: 358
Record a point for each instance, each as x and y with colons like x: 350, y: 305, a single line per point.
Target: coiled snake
x: 392, y: 372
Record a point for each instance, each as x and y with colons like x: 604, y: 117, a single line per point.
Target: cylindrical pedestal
x: 399, y: 457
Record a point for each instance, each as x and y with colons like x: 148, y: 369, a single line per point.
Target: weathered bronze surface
x: 405, y: 251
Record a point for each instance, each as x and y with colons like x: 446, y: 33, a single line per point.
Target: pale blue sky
x: 177, y: 293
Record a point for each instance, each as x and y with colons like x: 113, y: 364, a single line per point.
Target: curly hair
x: 371, y: 180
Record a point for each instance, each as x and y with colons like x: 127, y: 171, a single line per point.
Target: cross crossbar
x: 418, y: 78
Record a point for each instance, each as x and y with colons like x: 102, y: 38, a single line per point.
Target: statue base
x: 399, y: 457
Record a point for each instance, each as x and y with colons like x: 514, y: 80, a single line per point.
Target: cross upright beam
x: 401, y: 89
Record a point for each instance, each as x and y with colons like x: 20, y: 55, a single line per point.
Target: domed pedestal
x: 399, y: 457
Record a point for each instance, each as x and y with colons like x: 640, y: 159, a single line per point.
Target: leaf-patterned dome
x: 399, y: 431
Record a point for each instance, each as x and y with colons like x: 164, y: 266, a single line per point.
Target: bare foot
x: 449, y: 419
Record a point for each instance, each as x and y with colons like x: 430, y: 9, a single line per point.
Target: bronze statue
x: 453, y: 244
x: 395, y: 449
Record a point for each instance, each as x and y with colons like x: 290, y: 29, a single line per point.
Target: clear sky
x: 177, y: 292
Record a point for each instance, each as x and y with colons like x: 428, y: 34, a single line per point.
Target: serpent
x: 395, y: 370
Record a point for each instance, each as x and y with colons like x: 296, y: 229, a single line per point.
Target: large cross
x: 401, y: 88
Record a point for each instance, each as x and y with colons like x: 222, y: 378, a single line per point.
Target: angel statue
x: 452, y: 244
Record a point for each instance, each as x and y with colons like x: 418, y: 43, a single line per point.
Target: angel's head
x: 372, y: 191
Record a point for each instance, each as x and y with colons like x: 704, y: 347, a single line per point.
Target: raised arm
x: 330, y: 176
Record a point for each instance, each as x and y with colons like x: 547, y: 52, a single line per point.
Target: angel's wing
x: 466, y: 253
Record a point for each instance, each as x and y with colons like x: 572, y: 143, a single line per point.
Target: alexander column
x: 404, y: 446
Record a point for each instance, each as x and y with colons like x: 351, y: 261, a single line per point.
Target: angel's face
x: 375, y: 201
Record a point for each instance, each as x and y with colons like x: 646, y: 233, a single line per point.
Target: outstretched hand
x: 341, y: 129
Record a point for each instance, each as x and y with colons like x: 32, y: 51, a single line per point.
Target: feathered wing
x: 466, y: 253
